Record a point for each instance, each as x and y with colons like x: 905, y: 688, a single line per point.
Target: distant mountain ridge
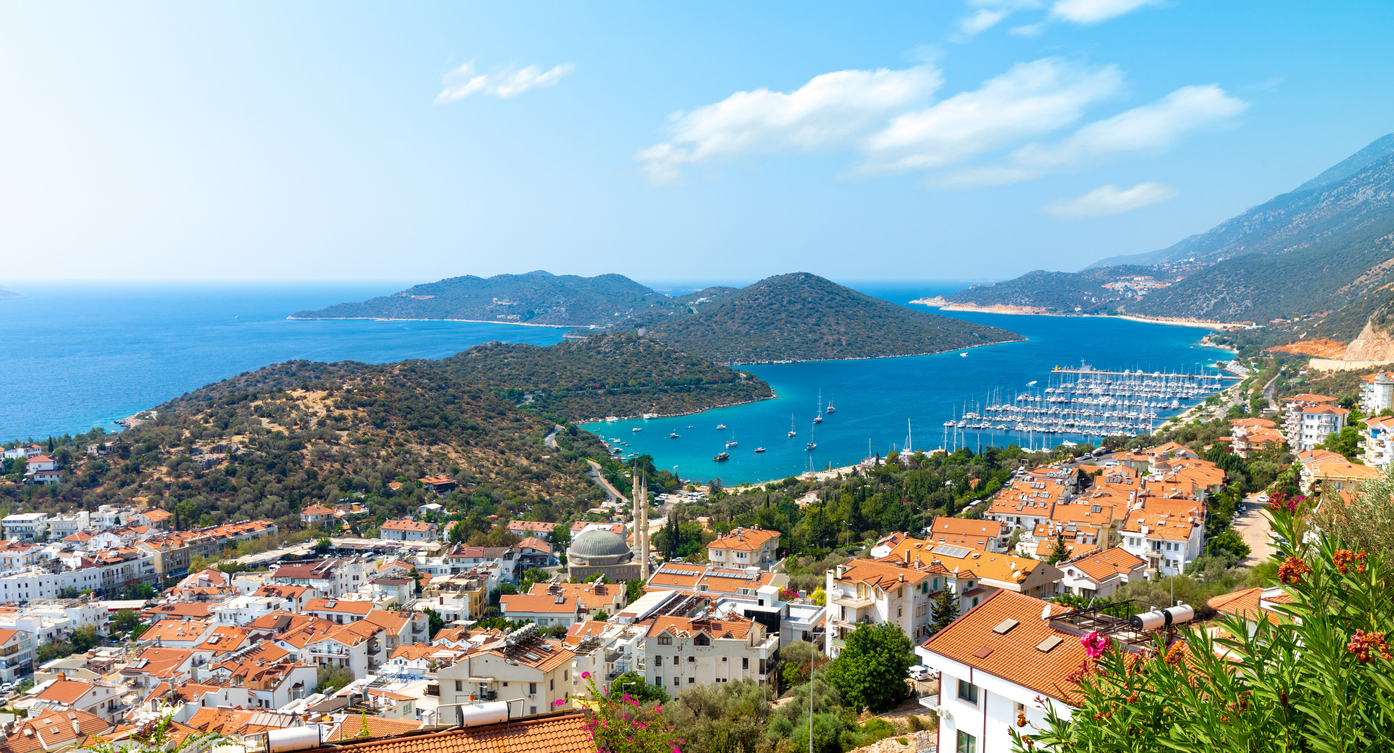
x: 539, y: 298
x: 1345, y: 198
x: 1323, y: 251
x: 7, y: 293
x: 794, y: 317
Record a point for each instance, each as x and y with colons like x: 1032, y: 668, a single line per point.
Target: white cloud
x: 981, y: 21
x: 1095, y: 11
x: 834, y: 109
x: 1110, y: 199
x: 1031, y: 99
x: 1028, y: 30
x: 502, y: 84
x: 1149, y: 129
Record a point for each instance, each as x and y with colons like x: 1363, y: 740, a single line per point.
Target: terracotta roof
x: 1003, y: 568
x: 589, y: 595
x: 538, y: 604
x: 65, y: 691
x: 535, y: 526
x: 966, y: 527
x: 317, y: 510
x: 239, y: 722
x: 420, y: 526
x: 197, y: 610
x: 160, y: 662
x: 188, y: 631
x: 1249, y: 602
x: 744, y: 539
x: 413, y: 651
x: 49, y: 729
x: 533, y: 542
x: 353, y: 727
x: 562, y: 732
x: 684, y: 627
x: 392, y: 622
x: 1106, y: 564
x: 1308, y: 397
x: 360, y: 608
x: 886, y: 575
x: 582, y: 630
x: 1016, y: 655
x: 1254, y: 422
x: 549, y: 654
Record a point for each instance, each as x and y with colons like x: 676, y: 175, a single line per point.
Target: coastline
x: 655, y: 416
x: 460, y: 321
x: 940, y: 303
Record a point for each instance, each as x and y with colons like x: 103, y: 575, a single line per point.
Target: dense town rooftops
x: 694, y: 577
x: 544, y: 603
x: 1003, y: 568
x: 345, y: 606
x: 53, y: 730
x: 64, y: 691
x: 687, y: 627
x: 543, y: 654
x: 887, y: 575
x: 562, y: 732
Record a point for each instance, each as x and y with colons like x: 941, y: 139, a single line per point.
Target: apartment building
x: 878, y: 591
x: 745, y: 547
x: 545, y: 609
x: 1379, y: 441
x: 1099, y: 574
x: 688, y: 652
x: 1376, y: 393
x: 529, y: 672
x: 1308, y: 419
x: 27, y: 525
x: 409, y: 530
x: 1324, y: 470
x: 1169, y: 534
x: 16, y: 655
x: 982, y: 535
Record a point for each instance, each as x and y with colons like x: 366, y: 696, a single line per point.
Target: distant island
x: 7, y: 293
x: 793, y: 317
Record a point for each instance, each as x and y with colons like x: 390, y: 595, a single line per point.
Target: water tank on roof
x: 294, y: 738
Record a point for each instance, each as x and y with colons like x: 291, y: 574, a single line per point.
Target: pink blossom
x: 585, y: 675
x: 559, y: 702
x: 1095, y: 644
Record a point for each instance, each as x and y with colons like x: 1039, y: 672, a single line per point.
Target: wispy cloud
x: 991, y: 135
x: 1030, y: 100
x: 1108, y: 200
x: 1149, y: 129
x: 832, y: 110
x: 510, y: 82
x: 1096, y: 11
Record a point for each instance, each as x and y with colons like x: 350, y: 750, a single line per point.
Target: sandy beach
x: 943, y: 305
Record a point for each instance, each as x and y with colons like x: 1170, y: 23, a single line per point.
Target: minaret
x: 644, y: 516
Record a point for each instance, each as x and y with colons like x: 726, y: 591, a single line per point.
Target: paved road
x: 1270, y: 392
x: 1254, y: 529
x: 600, y: 480
x: 551, y: 440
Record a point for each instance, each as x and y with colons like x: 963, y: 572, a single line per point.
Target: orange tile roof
x: 65, y: 691
x: 419, y: 526
x: 583, y: 630
x: 966, y: 527
x: 48, y: 730
x: 317, y: 510
x: 238, y: 721
x: 1254, y: 422
x: 392, y: 622
x: 550, y: 653
x: 359, y: 608
x: 996, y: 566
x: 538, y: 604
x: 589, y: 595
x: 561, y: 732
x: 535, y: 543
x: 353, y: 727
x: 1308, y: 397
x: 1248, y: 604
x: 1013, y: 656
x: 1106, y: 564
x: 685, y: 627
x: 535, y: 526
x: 744, y: 539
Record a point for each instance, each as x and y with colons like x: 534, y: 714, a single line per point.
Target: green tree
x: 323, y: 544
x: 601, y: 616
x: 1346, y: 442
x: 85, y: 638
x: 943, y: 611
x: 1230, y: 541
x: 126, y: 622
x: 331, y: 679
x: 633, y: 589
x: 1059, y: 553
x: 872, y: 669
x: 434, y: 622
x: 458, y: 532
x: 637, y: 687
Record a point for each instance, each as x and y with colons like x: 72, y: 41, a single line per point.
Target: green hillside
x: 532, y: 298
x: 1057, y: 291
x: 804, y: 317
x: 605, y: 375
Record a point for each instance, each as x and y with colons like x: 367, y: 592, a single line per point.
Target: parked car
x: 919, y: 672
x: 7, y: 687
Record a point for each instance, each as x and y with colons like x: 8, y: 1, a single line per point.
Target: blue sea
x: 82, y: 356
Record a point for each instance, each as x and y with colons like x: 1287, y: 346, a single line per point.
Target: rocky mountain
x: 532, y: 298
x: 804, y: 317
x: 1344, y: 199
x: 1081, y: 292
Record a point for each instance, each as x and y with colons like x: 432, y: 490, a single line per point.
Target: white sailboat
x: 813, y: 439
x: 791, y: 425
x: 818, y: 411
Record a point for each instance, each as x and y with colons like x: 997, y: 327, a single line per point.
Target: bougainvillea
x: 624, y: 725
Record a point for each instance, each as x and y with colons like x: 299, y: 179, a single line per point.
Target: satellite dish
x: 1045, y: 612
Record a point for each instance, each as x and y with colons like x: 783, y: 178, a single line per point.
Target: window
x: 676, y: 659
x: 534, y: 710
x: 745, y: 663
x: 675, y: 681
x: 459, y: 685
x: 691, y: 660
x: 702, y: 640
x: 658, y: 661
x: 966, y: 743
x: 665, y: 640
x: 566, y: 675
x: 967, y: 691
x: 552, y: 684
x: 691, y: 680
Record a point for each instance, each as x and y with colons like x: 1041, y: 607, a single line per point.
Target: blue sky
x: 933, y: 140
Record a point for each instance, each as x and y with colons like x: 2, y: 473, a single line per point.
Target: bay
x: 881, y: 402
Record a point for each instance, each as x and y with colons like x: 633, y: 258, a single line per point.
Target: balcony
x: 852, y: 601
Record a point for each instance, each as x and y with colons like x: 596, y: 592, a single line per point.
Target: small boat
x: 818, y: 411
x: 791, y: 425
x: 964, y: 355
x: 731, y: 443
x: 722, y: 457
x: 830, y: 408
x: 674, y: 435
x: 637, y: 428
x: 813, y: 441
x: 759, y: 449
x: 721, y: 427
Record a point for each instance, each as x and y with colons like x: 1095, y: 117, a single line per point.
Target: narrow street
x: 1254, y: 529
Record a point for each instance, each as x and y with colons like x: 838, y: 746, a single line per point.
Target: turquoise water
x: 80, y: 356
x: 876, y: 398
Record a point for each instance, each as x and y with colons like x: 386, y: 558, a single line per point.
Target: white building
x: 997, y: 663
x: 745, y: 547
x: 16, y: 655
x: 684, y: 653
x: 1376, y: 393
x: 408, y: 530
x: 1379, y: 441
x: 531, y: 673
x: 26, y: 525
x: 1308, y: 419
x: 1168, y: 533
x: 545, y: 609
x: 63, y: 526
x: 1101, y: 573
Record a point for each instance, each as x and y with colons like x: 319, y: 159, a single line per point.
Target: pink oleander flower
x: 559, y: 702
x: 585, y: 675
x: 1095, y: 644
